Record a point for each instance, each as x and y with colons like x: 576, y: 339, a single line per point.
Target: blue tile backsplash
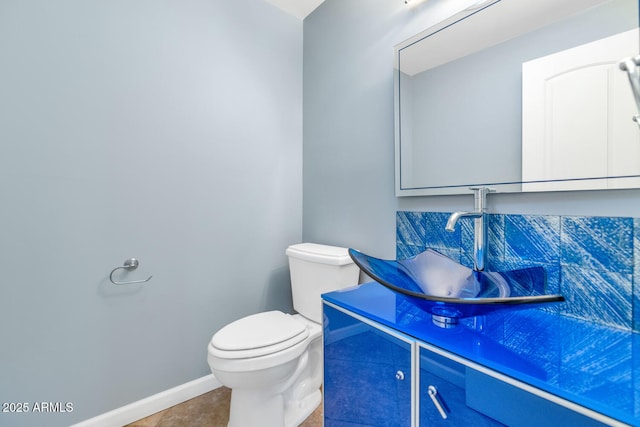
x: 594, y: 262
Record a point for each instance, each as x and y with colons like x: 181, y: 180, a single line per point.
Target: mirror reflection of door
x: 577, y: 118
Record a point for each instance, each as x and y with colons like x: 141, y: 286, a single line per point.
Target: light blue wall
x: 349, y: 137
x: 170, y: 131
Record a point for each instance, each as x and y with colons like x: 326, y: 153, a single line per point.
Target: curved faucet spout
x: 480, y: 230
x: 453, y: 219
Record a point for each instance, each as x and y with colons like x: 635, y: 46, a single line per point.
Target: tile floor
x: 209, y: 410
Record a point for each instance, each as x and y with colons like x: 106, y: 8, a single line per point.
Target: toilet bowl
x: 275, y: 381
x: 272, y: 361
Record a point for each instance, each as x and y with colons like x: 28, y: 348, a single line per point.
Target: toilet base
x: 297, y: 412
x: 251, y: 409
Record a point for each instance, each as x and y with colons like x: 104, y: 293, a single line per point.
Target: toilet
x: 272, y: 361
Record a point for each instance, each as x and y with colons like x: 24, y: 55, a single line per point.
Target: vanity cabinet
x: 377, y: 376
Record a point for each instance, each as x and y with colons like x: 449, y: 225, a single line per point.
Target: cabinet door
x: 367, y: 373
x: 442, y: 394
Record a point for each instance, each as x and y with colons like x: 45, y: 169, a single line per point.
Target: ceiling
x: 298, y: 8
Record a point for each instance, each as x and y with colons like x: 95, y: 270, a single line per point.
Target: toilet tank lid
x: 323, y: 254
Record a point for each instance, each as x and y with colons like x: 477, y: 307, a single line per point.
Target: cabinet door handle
x: 433, y: 394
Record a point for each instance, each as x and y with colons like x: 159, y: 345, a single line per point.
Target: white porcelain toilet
x: 272, y: 361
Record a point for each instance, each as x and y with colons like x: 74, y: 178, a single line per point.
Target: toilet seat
x: 258, y: 335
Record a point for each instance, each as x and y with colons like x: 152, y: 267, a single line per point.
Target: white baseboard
x: 152, y: 404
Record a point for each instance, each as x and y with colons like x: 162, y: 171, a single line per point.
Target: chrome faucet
x: 480, y: 229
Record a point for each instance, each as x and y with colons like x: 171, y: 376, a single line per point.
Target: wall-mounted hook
x: 129, y: 265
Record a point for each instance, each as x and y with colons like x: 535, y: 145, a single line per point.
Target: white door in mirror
x: 571, y: 133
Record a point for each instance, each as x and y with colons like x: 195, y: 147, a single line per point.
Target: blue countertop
x: 594, y: 366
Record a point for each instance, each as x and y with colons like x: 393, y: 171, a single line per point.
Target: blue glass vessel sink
x: 451, y: 291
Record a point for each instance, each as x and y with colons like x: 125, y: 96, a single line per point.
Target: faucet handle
x: 485, y: 190
x: 480, y: 197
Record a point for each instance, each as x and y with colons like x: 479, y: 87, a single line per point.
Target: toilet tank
x: 316, y: 269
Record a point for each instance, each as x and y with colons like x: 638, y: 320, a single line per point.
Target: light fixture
x: 413, y: 2
x: 478, y: 4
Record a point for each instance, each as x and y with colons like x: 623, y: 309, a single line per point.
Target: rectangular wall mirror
x: 519, y: 96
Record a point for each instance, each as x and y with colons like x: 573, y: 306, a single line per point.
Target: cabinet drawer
x: 516, y: 407
x: 443, y: 396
